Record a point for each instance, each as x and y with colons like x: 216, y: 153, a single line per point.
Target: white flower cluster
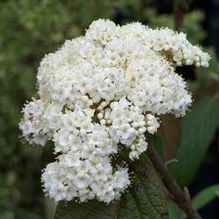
x: 102, y: 92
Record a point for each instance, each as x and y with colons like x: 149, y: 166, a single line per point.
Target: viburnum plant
x: 99, y: 98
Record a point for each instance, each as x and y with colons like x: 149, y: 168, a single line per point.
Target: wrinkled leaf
x: 145, y: 199
x: 198, y: 129
x: 89, y: 210
x: 205, y: 196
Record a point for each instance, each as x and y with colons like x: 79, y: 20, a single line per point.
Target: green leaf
x: 198, y: 129
x: 175, y: 212
x: 205, y: 196
x: 145, y: 199
x: 158, y: 143
x: 89, y: 210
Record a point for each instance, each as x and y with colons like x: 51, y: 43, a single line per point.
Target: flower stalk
x: 180, y: 196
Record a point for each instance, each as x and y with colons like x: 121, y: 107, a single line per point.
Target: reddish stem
x: 181, y: 197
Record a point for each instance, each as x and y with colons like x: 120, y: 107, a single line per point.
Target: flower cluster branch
x: 181, y: 197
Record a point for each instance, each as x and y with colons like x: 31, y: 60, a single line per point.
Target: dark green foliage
x: 198, y: 130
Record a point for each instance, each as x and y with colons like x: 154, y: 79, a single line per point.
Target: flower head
x: 101, y: 92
